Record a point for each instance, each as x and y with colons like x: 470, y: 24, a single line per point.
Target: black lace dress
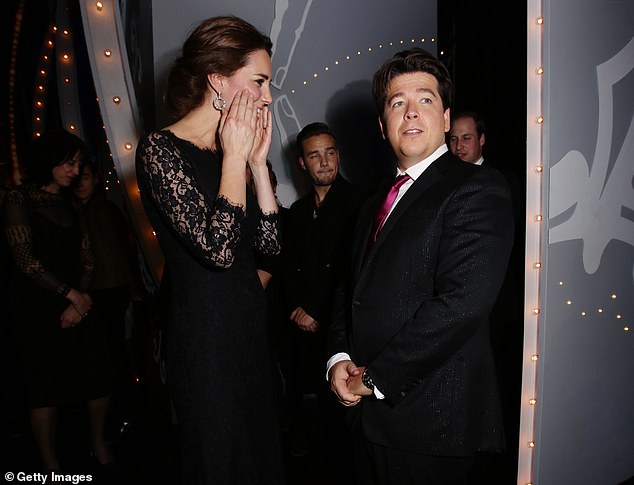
x: 50, y: 250
x: 217, y: 351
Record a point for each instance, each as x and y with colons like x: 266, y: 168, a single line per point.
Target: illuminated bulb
x: 67, y: 80
x: 600, y: 310
x: 358, y: 53
x: 540, y: 119
x: 347, y: 58
x: 116, y: 99
x: 538, y: 218
x: 539, y: 169
x: 532, y: 402
x: 618, y: 317
x: 540, y: 70
x: 537, y: 265
x: 583, y: 314
x: 315, y: 75
x: 433, y: 40
x: 531, y: 444
x: 72, y: 127
x: 442, y: 53
x: 37, y: 118
x: 50, y: 43
x: 613, y: 296
x: 422, y: 40
x: 380, y: 46
x: 54, y: 29
x: 38, y: 104
x: 540, y: 20
x: 536, y: 311
x: 305, y: 83
x: 293, y: 91
x: 65, y: 32
x: 107, y: 53
x: 37, y: 133
x: 626, y: 329
x: 128, y: 146
x: 41, y: 88
x: 326, y: 68
x: 391, y: 43
x: 401, y: 42
x: 336, y: 63
x: 43, y: 72
x: 534, y: 357
x: 413, y: 41
x: 46, y: 58
x: 561, y: 283
x: 568, y: 302
x: 370, y: 49
x: 154, y: 233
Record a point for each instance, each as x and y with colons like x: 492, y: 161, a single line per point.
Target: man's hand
x: 356, y: 385
x: 304, y: 321
x: 340, y: 374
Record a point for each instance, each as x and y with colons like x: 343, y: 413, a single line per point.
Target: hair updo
x: 218, y: 45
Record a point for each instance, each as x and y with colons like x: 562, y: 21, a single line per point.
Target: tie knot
x: 400, y: 180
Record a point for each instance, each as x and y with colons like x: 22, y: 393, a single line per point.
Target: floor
x: 146, y: 452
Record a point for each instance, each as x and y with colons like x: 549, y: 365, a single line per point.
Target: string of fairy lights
x: 350, y: 57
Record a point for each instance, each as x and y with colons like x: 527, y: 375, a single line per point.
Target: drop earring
x: 219, y: 103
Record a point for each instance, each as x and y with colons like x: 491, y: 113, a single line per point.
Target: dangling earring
x: 219, y: 103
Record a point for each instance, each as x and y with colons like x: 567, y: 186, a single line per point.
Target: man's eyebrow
x: 419, y: 90
x: 265, y: 76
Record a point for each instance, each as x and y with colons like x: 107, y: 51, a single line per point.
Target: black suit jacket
x: 416, y: 311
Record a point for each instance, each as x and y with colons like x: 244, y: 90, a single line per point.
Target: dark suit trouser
x: 378, y: 465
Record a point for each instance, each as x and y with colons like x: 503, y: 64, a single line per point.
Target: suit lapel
x: 428, y: 178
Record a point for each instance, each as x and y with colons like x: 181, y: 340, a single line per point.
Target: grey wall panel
x: 585, y: 425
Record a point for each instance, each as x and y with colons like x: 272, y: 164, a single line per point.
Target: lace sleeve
x: 19, y: 237
x: 211, y: 232
x: 267, y: 240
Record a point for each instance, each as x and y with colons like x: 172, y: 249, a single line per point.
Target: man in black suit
x: 410, y: 341
x: 317, y: 233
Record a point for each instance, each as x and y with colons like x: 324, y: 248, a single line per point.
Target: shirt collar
x: 417, y: 169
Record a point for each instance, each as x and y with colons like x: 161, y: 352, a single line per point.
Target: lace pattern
x: 19, y: 236
x: 213, y: 230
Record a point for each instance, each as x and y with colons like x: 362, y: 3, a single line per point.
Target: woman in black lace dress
x: 61, y: 345
x: 192, y: 177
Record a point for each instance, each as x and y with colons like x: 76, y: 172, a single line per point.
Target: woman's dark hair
x: 411, y: 61
x: 50, y: 149
x: 218, y: 45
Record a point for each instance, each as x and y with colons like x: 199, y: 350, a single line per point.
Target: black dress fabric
x: 217, y: 356
x: 50, y: 249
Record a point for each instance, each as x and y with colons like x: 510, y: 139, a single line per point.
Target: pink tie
x: 384, y: 210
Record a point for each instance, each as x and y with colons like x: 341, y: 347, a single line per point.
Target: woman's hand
x: 262, y: 139
x: 80, y: 301
x: 237, y: 128
x: 70, y: 317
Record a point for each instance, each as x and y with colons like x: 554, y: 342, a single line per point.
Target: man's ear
x: 482, y: 140
x: 301, y: 163
x: 383, y: 134
x: 447, y: 116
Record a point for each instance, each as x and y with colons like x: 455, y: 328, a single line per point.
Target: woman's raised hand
x: 262, y: 139
x: 238, y: 128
